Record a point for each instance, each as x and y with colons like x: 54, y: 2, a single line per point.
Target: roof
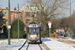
x: 14, y: 11
x: 3, y: 9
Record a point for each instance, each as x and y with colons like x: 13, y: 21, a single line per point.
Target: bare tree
x: 50, y: 9
x: 56, y: 24
x: 64, y: 24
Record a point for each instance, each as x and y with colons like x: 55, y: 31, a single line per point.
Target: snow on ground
x: 53, y: 44
x: 16, y: 44
x: 69, y: 39
x: 66, y: 39
x: 31, y: 47
x: 12, y: 42
x: 56, y: 45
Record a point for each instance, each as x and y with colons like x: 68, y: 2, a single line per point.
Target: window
x: 22, y: 16
x: 28, y: 14
x: 39, y: 14
x: 16, y: 15
x: 6, y: 22
x: 27, y: 21
x: 11, y: 16
x: 5, y: 13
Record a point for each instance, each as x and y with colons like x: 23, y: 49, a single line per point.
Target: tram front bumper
x: 33, y: 40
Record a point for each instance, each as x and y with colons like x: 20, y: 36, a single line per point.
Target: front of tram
x: 33, y: 33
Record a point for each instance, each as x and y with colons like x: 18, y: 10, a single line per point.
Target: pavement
x: 54, y: 44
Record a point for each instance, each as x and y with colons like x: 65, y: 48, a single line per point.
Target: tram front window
x: 33, y: 30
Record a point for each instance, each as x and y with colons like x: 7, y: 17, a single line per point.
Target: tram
x: 33, y: 33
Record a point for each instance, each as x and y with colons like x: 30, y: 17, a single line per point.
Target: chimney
x: 15, y: 8
x: 6, y: 7
x: 27, y: 7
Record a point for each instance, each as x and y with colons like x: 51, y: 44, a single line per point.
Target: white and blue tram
x: 33, y: 33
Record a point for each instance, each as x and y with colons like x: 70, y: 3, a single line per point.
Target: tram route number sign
x: 49, y: 24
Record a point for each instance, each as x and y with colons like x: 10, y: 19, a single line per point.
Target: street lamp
x: 18, y: 21
x: 73, y: 17
x: 9, y: 23
x: 70, y: 10
x: 0, y: 5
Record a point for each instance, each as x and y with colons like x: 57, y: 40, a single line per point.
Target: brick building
x: 14, y: 15
x: 27, y: 14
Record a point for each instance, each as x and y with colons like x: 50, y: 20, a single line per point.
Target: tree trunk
x: 44, y: 28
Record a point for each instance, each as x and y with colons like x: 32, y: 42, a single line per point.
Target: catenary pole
x: 18, y: 20
x: 9, y: 22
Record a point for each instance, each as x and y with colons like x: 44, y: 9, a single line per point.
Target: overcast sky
x: 14, y: 3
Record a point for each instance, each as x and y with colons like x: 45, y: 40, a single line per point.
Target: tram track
x: 22, y: 45
x: 39, y: 46
x: 28, y: 46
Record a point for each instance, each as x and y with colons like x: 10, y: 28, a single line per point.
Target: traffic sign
x: 49, y: 21
x: 49, y: 24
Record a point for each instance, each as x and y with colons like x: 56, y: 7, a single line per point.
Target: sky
x: 14, y: 3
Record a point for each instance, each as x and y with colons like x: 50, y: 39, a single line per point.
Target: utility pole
x: 9, y: 23
x: 73, y: 18
x: 0, y: 6
x: 70, y: 8
x: 18, y: 20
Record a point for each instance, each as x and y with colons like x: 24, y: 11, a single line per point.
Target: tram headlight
x: 33, y: 35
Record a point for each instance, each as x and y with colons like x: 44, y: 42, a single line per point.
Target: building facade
x: 28, y: 14
x: 14, y: 15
